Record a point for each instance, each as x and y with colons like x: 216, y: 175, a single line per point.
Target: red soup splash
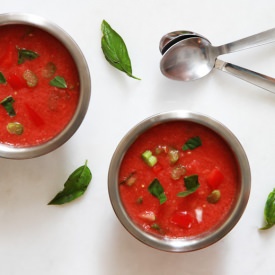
x: 39, y: 86
x: 178, y: 179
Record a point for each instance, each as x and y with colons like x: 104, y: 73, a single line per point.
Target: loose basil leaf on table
x: 75, y: 186
x: 269, y: 211
x: 156, y: 189
x: 115, y: 50
x: 191, y: 183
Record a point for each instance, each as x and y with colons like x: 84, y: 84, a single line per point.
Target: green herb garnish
x: 75, y: 186
x: 24, y: 55
x: 115, y: 50
x: 7, y: 103
x: 192, y: 143
x: 58, y: 82
x: 156, y: 189
x: 2, y: 79
x: 269, y: 211
x: 191, y: 183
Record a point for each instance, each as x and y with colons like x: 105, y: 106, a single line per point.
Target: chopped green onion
x: 149, y: 158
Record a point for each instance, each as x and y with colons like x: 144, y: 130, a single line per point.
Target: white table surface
x: 85, y: 237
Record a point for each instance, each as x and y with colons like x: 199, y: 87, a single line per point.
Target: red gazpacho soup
x: 39, y: 86
x: 178, y: 179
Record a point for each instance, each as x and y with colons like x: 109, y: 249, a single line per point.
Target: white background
x: 85, y: 237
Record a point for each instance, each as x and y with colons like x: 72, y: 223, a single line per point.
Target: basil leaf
x: 192, y: 143
x: 2, y: 79
x: 7, y: 103
x: 191, y: 183
x: 24, y: 55
x: 58, y: 82
x: 75, y: 186
x: 269, y: 211
x: 115, y: 50
x: 156, y: 189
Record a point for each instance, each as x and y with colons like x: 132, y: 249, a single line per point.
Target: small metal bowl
x: 180, y: 244
x: 15, y: 152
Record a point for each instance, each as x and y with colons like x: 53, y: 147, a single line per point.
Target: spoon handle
x: 260, y: 80
x: 248, y: 42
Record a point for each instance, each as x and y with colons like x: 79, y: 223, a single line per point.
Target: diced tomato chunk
x: 16, y: 81
x: 182, y: 219
x: 34, y: 116
x: 215, y: 178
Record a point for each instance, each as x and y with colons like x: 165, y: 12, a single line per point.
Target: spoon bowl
x: 189, y: 59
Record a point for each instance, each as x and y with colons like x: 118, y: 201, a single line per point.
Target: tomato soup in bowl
x: 44, y: 86
x: 179, y: 181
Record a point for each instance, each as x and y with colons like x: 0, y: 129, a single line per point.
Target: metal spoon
x: 258, y: 39
x: 189, y: 56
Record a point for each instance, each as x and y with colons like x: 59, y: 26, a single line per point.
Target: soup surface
x: 39, y: 86
x: 178, y: 179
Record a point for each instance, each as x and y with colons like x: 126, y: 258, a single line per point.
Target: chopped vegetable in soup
x: 39, y: 86
x: 178, y: 179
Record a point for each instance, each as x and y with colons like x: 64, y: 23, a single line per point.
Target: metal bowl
x: 181, y: 244
x: 12, y: 152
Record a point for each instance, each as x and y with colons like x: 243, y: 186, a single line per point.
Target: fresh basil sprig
x: 2, y: 78
x: 191, y: 183
x: 192, y: 143
x: 115, y: 50
x: 7, y: 103
x: 59, y: 82
x: 24, y: 55
x: 269, y: 211
x: 75, y: 186
x: 156, y: 189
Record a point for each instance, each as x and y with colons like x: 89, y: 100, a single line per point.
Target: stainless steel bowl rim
x: 181, y: 244
x: 14, y: 152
